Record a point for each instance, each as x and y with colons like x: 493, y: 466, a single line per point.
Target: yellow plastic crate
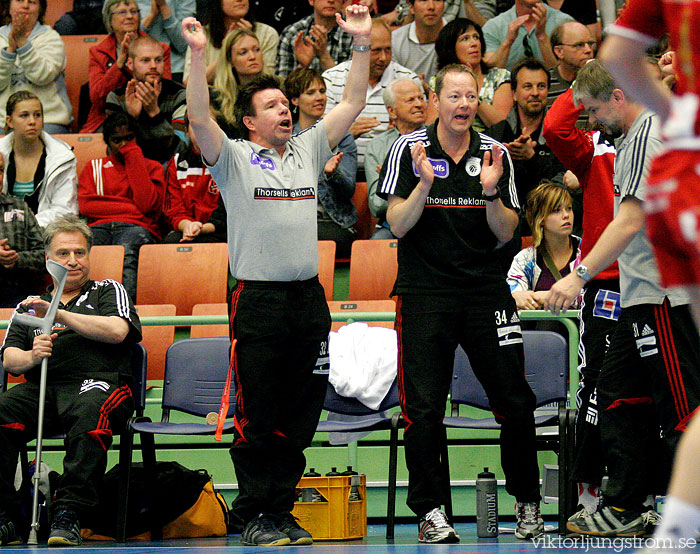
x: 337, y: 519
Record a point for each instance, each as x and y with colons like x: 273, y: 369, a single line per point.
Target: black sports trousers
x: 597, y: 321
x: 281, y: 373
x: 650, y: 380
x: 429, y: 328
x: 87, y: 413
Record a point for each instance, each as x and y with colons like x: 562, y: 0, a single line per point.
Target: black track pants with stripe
x: 87, y: 413
x: 281, y: 372
x: 649, y: 387
x: 429, y: 328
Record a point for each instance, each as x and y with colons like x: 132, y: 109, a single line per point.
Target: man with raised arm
x: 453, y: 203
x: 279, y: 314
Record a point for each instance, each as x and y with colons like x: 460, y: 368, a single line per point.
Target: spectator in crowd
x: 32, y: 57
x: 521, y: 130
x: 162, y: 21
x: 240, y: 61
x: 479, y: 11
x: 224, y: 16
x: 451, y: 291
x: 268, y: 184
x: 191, y: 196
x: 650, y: 375
x: 315, y: 41
x: 374, y: 119
x: 280, y: 13
x: 84, y: 19
x: 462, y: 41
x: 22, y: 264
x: 336, y: 214
x: 406, y: 106
x: 573, y: 45
x: 554, y: 251
x: 121, y: 195
x: 583, y: 11
x: 39, y: 168
x: 522, y: 32
x: 413, y: 45
x: 107, y: 66
x: 88, y: 395
x: 152, y: 100
x: 590, y: 156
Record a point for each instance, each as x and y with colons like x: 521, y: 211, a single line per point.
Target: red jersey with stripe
x: 649, y: 20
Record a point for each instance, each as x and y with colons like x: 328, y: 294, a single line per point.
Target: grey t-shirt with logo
x: 639, y: 275
x: 271, y: 205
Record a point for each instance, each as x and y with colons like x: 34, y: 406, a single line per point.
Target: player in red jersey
x: 673, y: 218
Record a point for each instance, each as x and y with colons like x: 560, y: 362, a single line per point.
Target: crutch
x: 58, y: 273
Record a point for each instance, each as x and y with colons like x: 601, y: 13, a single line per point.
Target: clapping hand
x: 492, y: 169
x: 422, y: 165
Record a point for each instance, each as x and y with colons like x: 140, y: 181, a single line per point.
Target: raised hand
x: 357, y: 22
x: 363, y: 125
x: 491, y: 169
x: 332, y: 164
x: 422, y: 164
x: 147, y: 94
x: 319, y: 38
x: 124, y: 48
x: 303, y: 49
x: 513, y: 26
x: 193, y: 33
x: 133, y: 104
x: 539, y: 16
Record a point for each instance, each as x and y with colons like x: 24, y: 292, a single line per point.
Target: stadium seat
x: 373, y: 267
x: 106, y: 262
x: 349, y: 306
x: 55, y: 9
x: 326, y: 266
x: 86, y: 147
x: 198, y: 331
x: 182, y: 274
x: 365, y: 220
x: 77, y: 62
x: 156, y: 338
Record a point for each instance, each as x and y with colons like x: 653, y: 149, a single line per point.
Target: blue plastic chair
x: 547, y: 372
x: 195, y: 372
x: 369, y: 420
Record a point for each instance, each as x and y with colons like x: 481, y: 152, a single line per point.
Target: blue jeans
x: 131, y: 237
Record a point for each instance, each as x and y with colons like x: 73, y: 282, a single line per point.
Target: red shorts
x: 673, y: 216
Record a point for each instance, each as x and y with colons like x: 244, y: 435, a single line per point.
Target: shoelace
x: 64, y: 519
x: 437, y: 518
x: 529, y: 512
x: 651, y: 517
x: 266, y: 524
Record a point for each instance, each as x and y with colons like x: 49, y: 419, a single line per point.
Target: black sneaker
x: 65, y: 528
x: 262, y: 530
x: 8, y: 531
x: 288, y: 525
x: 609, y: 522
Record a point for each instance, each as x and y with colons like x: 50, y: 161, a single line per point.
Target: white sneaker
x: 530, y: 523
x: 651, y: 520
x: 433, y: 527
x: 583, y: 512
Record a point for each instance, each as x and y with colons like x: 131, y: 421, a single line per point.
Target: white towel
x: 363, y: 362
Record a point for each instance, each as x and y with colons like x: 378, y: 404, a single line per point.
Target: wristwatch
x: 492, y: 197
x: 582, y: 271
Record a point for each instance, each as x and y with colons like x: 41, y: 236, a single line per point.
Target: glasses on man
x: 581, y: 45
x: 124, y: 13
x: 527, y: 48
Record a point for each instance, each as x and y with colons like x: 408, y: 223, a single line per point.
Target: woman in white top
x: 554, y: 252
x: 39, y: 168
x: 33, y: 57
x: 225, y: 16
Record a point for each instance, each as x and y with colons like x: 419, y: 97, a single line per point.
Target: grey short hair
x: 595, y: 81
x: 66, y: 224
x: 388, y: 94
x: 107, y: 12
